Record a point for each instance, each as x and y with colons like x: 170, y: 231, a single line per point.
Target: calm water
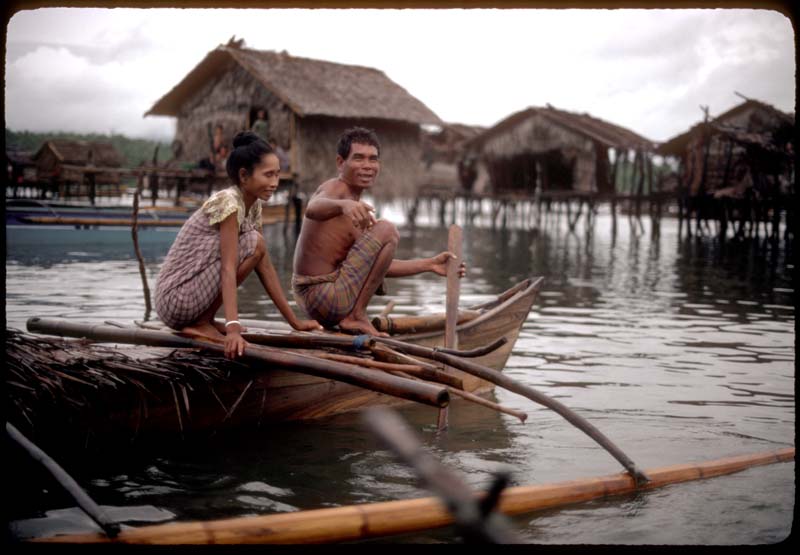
x: 679, y: 350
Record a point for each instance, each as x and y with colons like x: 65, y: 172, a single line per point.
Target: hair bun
x: 244, y: 138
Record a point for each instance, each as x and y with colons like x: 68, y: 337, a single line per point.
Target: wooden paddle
x: 451, y: 303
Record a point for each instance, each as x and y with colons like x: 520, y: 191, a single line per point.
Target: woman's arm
x: 229, y: 256
x: 272, y: 285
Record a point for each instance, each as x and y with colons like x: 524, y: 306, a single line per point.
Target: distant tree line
x: 134, y: 151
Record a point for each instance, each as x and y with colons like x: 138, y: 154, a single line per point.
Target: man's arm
x: 436, y: 264
x: 323, y: 206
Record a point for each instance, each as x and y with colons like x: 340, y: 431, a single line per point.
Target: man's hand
x: 360, y: 213
x: 439, y: 264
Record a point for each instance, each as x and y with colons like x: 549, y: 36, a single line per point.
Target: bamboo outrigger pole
x: 502, y: 380
x: 356, y: 522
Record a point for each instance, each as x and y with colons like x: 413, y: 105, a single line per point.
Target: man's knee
x: 385, y: 232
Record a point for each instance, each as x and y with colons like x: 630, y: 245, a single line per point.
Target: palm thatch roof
x: 79, y: 152
x: 678, y: 144
x: 307, y: 86
x: 603, y: 132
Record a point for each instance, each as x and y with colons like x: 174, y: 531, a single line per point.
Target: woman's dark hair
x: 360, y: 135
x: 248, y: 149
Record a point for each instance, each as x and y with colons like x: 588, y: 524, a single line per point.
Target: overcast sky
x: 100, y: 70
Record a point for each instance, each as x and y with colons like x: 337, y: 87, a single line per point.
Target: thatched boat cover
x: 603, y: 132
x: 307, y: 86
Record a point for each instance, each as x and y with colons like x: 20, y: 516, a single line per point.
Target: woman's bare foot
x: 204, y: 329
x: 222, y: 329
x: 359, y: 325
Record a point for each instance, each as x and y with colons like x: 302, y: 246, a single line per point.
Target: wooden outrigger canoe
x: 251, y: 394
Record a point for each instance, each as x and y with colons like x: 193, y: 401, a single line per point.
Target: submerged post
x: 148, y: 308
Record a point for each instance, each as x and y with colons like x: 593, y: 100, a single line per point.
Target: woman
x: 218, y: 247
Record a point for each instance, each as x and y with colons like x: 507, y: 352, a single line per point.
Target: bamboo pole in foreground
x: 356, y: 522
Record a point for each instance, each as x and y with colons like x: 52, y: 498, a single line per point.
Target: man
x: 343, y: 253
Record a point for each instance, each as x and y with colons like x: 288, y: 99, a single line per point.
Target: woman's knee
x: 385, y: 232
x: 252, y: 244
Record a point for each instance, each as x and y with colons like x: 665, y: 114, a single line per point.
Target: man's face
x: 361, y: 167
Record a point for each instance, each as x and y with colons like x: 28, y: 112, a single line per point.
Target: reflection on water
x: 678, y: 350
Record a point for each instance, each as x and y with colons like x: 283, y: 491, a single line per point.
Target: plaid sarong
x: 190, y: 278
x: 328, y: 298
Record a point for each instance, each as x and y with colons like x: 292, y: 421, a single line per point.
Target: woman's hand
x: 307, y: 325
x: 439, y: 264
x: 234, y: 344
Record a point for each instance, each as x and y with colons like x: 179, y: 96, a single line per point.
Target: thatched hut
x: 20, y: 167
x: 553, y: 150
x: 308, y: 104
x: 54, y: 158
x: 750, y: 145
x: 443, y: 155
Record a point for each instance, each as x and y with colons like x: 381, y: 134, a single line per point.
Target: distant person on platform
x: 344, y: 253
x: 261, y: 125
x: 280, y: 153
x: 218, y: 247
x: 219, y: 152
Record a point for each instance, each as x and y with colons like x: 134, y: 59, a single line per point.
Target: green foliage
x: 134, y: 151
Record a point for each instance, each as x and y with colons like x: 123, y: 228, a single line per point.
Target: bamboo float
x: 521, y: 389
x: 357, y: 522
x: 418, y: 324
x: 354, y: 375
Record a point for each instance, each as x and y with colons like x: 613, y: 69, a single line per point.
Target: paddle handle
x: 453, y: 287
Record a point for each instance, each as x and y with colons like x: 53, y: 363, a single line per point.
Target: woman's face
x: 263, y: 181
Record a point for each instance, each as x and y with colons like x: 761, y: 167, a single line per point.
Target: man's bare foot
x: 204, y: 329
x: 358, y: 325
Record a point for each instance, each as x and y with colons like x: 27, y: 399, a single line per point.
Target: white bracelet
x: 233, y: 322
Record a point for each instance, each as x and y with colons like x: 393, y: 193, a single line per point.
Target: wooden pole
x: 451, y: 302
x: 148, y: 307
x: 66, y: 481
x: 354, y: 375
x: 374, y: 520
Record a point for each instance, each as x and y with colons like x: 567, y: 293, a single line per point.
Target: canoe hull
x: 249, y: 396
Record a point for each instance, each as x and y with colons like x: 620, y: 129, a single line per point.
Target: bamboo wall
x: 537, y: 136
x: 229, y: 99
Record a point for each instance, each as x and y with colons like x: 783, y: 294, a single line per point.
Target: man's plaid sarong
x: 190, y: 278
x: 328, y: 298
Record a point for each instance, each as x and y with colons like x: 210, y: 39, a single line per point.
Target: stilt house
x: 750, y: 145
x: 443, y: 154
x: 55, y: 157
x: 553, y: 150
x: 308, y: 104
